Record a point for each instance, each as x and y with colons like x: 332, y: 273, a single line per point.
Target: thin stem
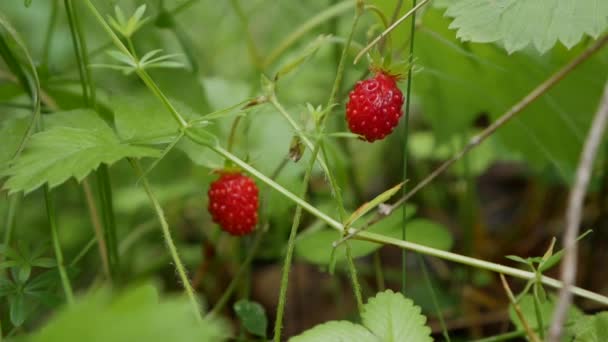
x: 378, y: 271
x: 405, y: 147
x: 251, y: 47
x: 233, y: 130
x: 291, y: 243
x: 243, y: 269
x: 574, y: 213
x: 179, y: 266
x: 313, y: 22
x: 65, y: 281
x: 49, y: 33
x: 84, y: 251
x: 476, y: 263
x: 518, y: 311
x: 69, y: 8
x: 429, y: 286
x: 537, y: 312
x: 297, y: 128
x: 506, y: 117
x: 9, y: 223
x: 97, y: 227
x: 104, y: 189
x: 143, y: 75
x: 503, y: 337
x: 389, y: 29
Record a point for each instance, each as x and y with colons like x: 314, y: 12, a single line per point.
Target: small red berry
x: 233, y: 203
x: 374, y: 107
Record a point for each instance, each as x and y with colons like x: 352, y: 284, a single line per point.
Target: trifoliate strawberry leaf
x: 73, y: 150
x: 392, y: 318
x: 336, y: 331
x: 516, y: 24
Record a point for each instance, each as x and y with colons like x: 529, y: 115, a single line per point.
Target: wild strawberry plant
x: 270, y: 135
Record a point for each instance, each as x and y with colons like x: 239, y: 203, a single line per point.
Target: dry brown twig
x: 531, y: 334
x: 573, y: 215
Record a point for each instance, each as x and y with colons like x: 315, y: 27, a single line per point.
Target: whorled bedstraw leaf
x: 393, y: 318
x: 73, y: 148
x: 516, y: 24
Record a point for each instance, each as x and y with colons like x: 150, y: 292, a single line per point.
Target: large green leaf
x: 591, y: 328
x: 516, y: 24
x: 316, y: 247
x: 394, y: 318
x: 142, y: 117
x: 75, y: 144
x: 458, y: 81
x: 336, y: 331
x: 136, y: 315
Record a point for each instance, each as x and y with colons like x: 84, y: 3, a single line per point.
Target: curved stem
x: 179, y: 266
x: 313, y: 22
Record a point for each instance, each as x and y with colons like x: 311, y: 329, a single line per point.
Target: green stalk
x: 429, y: 285
x: 49, y: 33
x: 291, y: 243
x: 239, y: 274
x: 503, y: 337
x: 313, y: 22
x: 179, y: 266
x: 65, y: 281
x: 9, y: 223
x: 104, y: 188
x: 84, y: 251
x: 379, y: 273
x: 74, y: 31
x: 537, y: 312
x: 405, y: 149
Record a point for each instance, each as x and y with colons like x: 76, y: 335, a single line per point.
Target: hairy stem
x: 291, y: 243
x: 179, y: 266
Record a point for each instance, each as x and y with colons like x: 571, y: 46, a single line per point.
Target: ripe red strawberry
x: 233, y: 203
x: 374, y: 107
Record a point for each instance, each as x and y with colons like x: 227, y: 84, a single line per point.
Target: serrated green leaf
x: 591, y: 328
x: 61, y: 152
x: 336, y: 331
x: 253, y: 316
x: 517, y: 24
x: 367, y: 206
x: 394, y: 318
x: 140, y: 117
x: 136, y: 315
